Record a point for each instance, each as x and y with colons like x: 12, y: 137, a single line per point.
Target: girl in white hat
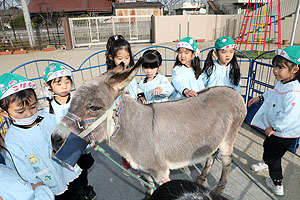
x: 279, y: 115
x: 186, y: 73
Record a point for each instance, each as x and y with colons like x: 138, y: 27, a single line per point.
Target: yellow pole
x: 262, y: 25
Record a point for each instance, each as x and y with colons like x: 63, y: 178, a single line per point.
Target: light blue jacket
x: 159, y: 81
x: 281, y: 110
x: 59, y: 110
x: 132, y: 88
x: 184, y: 77
x: 14, y: 188
x: 31, y: 151
x: 219, y: 77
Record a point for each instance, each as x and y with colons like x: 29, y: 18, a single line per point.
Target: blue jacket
x: 219, y: 76
x: 281, y: 110
x: 184, y: 77
x: 132, y: 88
x: 158, y: 81
x: 31, y: 151
x: 14, y: 188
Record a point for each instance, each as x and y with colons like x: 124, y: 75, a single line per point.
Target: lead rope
x: 101, y: 150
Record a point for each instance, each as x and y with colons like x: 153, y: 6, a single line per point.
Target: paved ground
x: 111, y: 184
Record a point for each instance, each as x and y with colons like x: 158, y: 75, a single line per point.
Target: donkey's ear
x: 120, y: 80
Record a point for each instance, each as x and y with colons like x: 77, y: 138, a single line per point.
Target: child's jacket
x: 31, y: 150
x: 184, y: 77
x: 14, y: 188
x: 132, y: 88
x: 59, y: 110
x: 148, y: 87
x: 281, y: 110
x: 219, y: 76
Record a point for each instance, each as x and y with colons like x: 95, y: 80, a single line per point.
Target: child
x: 118, y: 58
x: 154, y: 87
x: 14, y: 188
x: 225, y: 70
x: 186, y: 71
x: 29, y: 137
x: 58, y: 82
x: 58, y: 79
x: 279, y: 115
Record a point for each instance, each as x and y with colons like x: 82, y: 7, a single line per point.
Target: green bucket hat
x: 188, y: 43
x: 13, y: 83
x: 291, y: 53
x: 225, y: 42
x: 56, y: 70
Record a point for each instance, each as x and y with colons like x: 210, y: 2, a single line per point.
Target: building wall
x: 208, y: 27
x: 196, y: 26
x: 138, y: 11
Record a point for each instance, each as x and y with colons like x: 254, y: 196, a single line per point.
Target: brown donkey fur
x: 162, y: 136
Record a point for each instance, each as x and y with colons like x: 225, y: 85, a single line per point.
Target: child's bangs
x: 58, y: 80
x: 150, y: 61
x: 281, y: 62
x: 24, y: 97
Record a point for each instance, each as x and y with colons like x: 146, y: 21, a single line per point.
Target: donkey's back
x: 189, y: 130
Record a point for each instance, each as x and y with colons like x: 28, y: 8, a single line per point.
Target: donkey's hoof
x: 200, y: 180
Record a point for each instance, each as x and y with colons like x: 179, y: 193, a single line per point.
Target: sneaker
x: 276, y: 189
x: 260, y: 166
x: 89, y: 193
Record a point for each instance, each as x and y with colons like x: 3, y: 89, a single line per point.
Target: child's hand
x: 142, y: 100
x: 34, y: 186
x: 190, y: 93
x: 269, y: 131
x: 157, y: 91
x: 252, y: 101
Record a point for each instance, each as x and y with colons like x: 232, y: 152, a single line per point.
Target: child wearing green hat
x: 29, y: 137
x: 279, y: 115
x: 186, y: 72
x: 58, y: 81
x: 225, y: 70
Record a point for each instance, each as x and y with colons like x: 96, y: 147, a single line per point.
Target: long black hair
x: 234, y: 74
x: 113, y: 45
x: 152, y: 59
x: 280, y: 61
x: 195, y: 63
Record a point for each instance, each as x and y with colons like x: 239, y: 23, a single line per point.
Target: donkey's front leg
x: 226, y: 162
x: 206, y: 171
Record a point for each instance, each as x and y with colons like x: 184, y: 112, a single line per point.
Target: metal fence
x: 95, y: 30
x: 256, y: 74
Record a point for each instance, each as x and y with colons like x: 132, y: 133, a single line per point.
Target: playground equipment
x: 257, y: 26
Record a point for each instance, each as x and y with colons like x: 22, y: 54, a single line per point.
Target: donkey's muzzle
x: 70, y: 151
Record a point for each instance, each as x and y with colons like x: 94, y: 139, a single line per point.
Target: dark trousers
x: 73, y: 193
x: 274, y: 149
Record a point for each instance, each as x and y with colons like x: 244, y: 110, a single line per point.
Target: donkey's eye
x: 93, y: 108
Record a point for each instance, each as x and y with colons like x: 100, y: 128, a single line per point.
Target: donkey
x: 160, y: 136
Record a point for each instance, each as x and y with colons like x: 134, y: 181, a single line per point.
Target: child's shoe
x: 260, y: 166
x: 89, y: 193
x: 276, y: 189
